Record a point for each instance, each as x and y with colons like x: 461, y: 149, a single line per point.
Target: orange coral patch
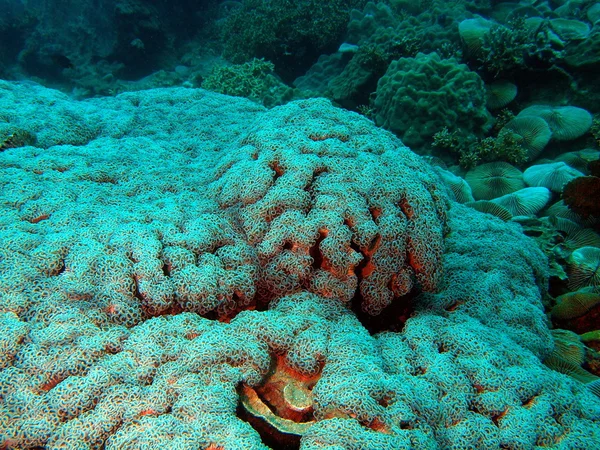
x: 39, y: 218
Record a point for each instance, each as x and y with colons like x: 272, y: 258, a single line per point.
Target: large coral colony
x: 389, y: 243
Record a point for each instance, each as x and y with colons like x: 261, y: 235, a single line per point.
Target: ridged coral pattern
x: 332, y: 208
x: 120, y: 250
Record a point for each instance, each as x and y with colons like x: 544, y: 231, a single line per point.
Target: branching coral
x: 504, y: 147
x: 505, y: 50
x: 289, y: 33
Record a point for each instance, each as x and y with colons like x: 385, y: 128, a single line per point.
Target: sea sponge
x: 493, y: 180
x: 407, y: 97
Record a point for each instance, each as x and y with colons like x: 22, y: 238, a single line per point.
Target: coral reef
x: 295, y: 227
x: 407, y: 96
x: 291, y: 34
x: 184, y: 269
x: 253, y: 79
x: 13, y: 137
x: 295, y: 212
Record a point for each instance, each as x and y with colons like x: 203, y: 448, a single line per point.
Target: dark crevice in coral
x: 391, y: 318
x: 211, y: 315
x: 137, y: 294
x: 385, y: 402
x: 529, y: 402
x: 277, y: 169
x: 60, y: 269
x: 358, y: 270
x: 406, y: 208
x: 365, y: 267
x: 315, y: 251
x: 374, y: 244
x: 269, y: 437
x: 310, y: 185
x: 354, y: 246
x: 452, y: 306
x: 262, y: 298
x: 375, y: 213
x: 496, y: 418
x: 405, y: 425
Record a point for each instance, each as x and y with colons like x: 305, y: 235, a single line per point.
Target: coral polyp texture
x: 406, y: 99
x: 333, y: 208
x: 200, y: 272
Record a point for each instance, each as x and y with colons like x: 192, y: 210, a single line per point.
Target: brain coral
x: 408, y: 99
x: 188, y: 207
x: 330, y: 207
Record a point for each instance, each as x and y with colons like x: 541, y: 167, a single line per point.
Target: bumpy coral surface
x: 139, y: 220
x: 408, y: 99
x: 332, y: 208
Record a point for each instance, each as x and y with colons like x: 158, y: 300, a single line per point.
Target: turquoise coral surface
x: 231, y: 225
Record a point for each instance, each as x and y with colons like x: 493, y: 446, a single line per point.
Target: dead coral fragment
x: 281, y: 408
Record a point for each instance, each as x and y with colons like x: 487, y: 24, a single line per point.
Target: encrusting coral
x: 406, y: 99
x: 357, y: 306
x: 253, y: 79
